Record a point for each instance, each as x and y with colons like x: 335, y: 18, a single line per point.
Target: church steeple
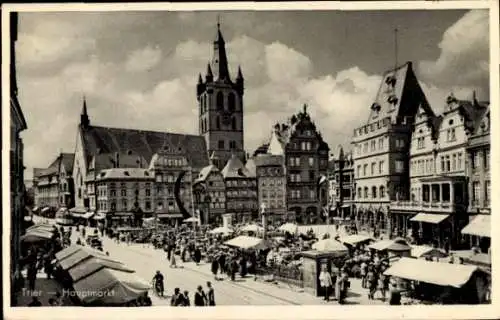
x: 219, y: 59
x: 84, y: 117
x: 209, y: 76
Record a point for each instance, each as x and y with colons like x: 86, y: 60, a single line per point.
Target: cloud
x: 143, y: 59
x: 464, y: 56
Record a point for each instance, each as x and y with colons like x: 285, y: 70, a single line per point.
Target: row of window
x: 242, y: 193
x: 363, y: 148
x: 297, y: 177
x: 274, y: 204
x: 164, y: 161
x: 263, y: 182
x: 242, y: 205
x: 205, y: 127
x: 481, y: 159
x: 450, y: 163
x: 476, y: 193
x: 374, y: 194
x: 271, y: 194
x: 295, y: 161
x: 221, y: 144
x: 373, y: 171
x: 297, y: 194
x: 241, y: 183
x: 219, y: 102
x: 217, y: 205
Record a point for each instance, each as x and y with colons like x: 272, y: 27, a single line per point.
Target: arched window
x: 202, y: 104
x: 231, y: 102
x: 360, y: 195
x: 220, y: 101
x: 366, y: 192
x: 381, y: 192
x: 205, y: 124
x: 201, y: 126
x: 218, y: 122
x: 374, y: 192
x: 233, y: 123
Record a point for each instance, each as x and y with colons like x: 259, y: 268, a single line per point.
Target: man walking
x: 210, y: 294
x: 200, y: 297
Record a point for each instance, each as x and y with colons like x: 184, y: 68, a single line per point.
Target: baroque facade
x: 306, y: 161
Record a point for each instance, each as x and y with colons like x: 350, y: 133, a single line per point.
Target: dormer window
x: 392, y: 99
x: 390, y: 81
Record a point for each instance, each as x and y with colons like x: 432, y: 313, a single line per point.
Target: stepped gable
x: 105, y: 140
x: 399, y: 95
x: 235, y: 169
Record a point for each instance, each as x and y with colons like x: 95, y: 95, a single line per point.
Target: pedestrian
x: 395, y: 296
x: 200, y: 297
x: 173, y: 262
x: 343, y: 286
x: 222, y: 263
x: 210, y: 294
x: 215, y: 268
x: 187, y: 302
x: 234, y: 269
x: 31, y: 275
x: 372, y: 282
x: 197, y: 255
x: 48, y: 268
x: 177, y: 298
x: 325, y: 280
x: 364, y: 272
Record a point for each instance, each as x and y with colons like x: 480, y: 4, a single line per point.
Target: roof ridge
x: 147, y: 131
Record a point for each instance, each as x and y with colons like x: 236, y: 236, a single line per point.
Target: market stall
x: 395, y: 248
x: 356, y: 239
x: 427, y: 252
x: 437, y: 282
x: 329, y: 245
x: 291, y: 228
x: 246, y: 242
x: 222, y: 230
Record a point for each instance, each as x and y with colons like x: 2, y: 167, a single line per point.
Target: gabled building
x: 220, y: 104
x: 99, y: 148
x: 241, y: 191
x: 436, y: 210
x: 54, y: 184
x: 306, y: 160
x: 210, y: 194
x: 271, y: 186
x: 381, y: 147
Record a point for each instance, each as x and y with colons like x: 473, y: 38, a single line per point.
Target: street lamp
x: 264, y: 219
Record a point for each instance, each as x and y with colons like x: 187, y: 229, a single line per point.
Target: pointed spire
x: 200, y: 80
x: 240, y: 74
x: 84, y: 117
x: 305, y: 108
x: 209, y: 77
x: 219, y: 59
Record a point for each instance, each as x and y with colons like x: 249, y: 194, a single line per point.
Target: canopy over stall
x: 329, y: 245
x: 93, y: 265
x: 430, y: 218
x: 426, y: 251
x: 480, y: 226
x: 437, y: 273
x: 289, y: 227
x: 390, y: 245
x: 110, y: 287
x: 245, y: 242
x: 252, y: 228
x: 354, y: 239
x: 73, y: 255
x: 222, y: 230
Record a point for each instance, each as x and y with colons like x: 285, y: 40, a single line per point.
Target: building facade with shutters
x: 210, y: 194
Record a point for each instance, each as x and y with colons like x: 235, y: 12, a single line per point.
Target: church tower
x: 220, y: 105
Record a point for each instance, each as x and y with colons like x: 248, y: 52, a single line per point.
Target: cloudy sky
x: 139, y: 69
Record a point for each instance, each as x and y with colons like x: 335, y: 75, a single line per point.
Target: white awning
x: 245, y: 242
x: 438, y: 273
x: 422, y: 251
x: 430, y: 217
x: 45, y: 209
x: 355, y: 239
x: 479, y: 226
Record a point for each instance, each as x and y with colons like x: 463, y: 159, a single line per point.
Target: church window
x: 218, y: 123
x: 231, y: 102
x: 205, y: 124
x: 220, y: 101
x: 233, y: 124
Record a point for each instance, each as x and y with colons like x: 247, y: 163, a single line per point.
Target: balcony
x: 421, y: 206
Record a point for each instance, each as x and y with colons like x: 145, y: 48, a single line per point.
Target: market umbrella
x: 221, y: 230
x: 329, y: 245
x: 192, y: 219
x: 36, y: 236
x: 399, y: 244
x: 252, y: 228
x: 289, y: 227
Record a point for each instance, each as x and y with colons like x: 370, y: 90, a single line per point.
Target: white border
x: 237, y: 312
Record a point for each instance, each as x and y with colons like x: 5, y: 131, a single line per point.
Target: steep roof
x: 205, y: 172
x: 125, y: 173
x: 67, y: 160
x: 251, y: 167
x: 125, y: 160
x: 106, y: 140
x: 399, y: 94
x: 235, y: 169
x: 486, y: 119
